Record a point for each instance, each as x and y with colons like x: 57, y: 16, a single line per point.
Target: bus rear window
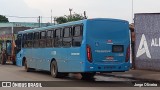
x: 117, y: 48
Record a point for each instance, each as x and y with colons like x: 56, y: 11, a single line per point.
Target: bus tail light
x: 89, y: 54
x: 127, y: 54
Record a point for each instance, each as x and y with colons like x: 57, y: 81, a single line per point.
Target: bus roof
x: 68, y: 24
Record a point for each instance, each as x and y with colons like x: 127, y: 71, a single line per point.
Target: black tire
x: 62, y: 75
x: 27, y: 69
x: 87, y: 75
x: 54, y: 70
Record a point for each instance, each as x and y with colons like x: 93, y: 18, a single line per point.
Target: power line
x: 23, y: 16
x: 19, y: 17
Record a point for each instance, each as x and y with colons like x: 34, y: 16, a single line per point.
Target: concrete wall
x: 147, y: 43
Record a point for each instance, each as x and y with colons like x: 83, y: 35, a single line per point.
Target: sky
x: 119, y: 9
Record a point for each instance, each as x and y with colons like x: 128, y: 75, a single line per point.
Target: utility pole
x: 70, y: 10
x: 132, y: 13
x: 85, y: 17
x: 39, y: 21
x: 54, y: 20
x: 12, y: 28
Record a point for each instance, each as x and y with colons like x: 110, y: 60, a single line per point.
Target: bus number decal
x: 75, y: 54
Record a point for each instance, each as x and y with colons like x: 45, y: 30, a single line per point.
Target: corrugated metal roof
x: 146, y: 13
x: 24, y: 24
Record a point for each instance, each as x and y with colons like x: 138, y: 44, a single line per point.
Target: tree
x: 74, y: 17
x: 61, y: 20
x: 69, y: 18
x: 3, y: 19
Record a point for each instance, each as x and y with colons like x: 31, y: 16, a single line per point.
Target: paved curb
x: 133, y: 78
x: 134, y: 75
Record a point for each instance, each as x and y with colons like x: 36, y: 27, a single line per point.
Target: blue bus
x: 86, y: 46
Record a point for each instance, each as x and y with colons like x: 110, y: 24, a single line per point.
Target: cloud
x: 146, y: 6
x: 18, y: 8
x: 94, y: 8
x: 121, y: 9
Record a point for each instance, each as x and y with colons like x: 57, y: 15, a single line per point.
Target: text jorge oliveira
x: 145, y: 85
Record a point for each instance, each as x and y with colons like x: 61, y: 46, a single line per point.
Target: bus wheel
x: 27, y: 69
x: 87, y: 75
x: 54, y: 70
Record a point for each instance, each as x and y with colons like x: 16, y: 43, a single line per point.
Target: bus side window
x: 29, y: 40
x: 77, y: 36
x: 49, y: 40
x: 18, y: 41
x: 24, y: 42
x: 42, y: 40
x: 36, y: 39
x: 67, y: 39
x: 58, y: 39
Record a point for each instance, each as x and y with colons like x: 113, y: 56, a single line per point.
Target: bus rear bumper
x: 107, y: 67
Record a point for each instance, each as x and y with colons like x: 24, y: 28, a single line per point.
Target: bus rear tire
x: 88, y: 75
x: 54, y: 70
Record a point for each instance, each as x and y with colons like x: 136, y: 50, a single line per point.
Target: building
x: 6, y: 29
